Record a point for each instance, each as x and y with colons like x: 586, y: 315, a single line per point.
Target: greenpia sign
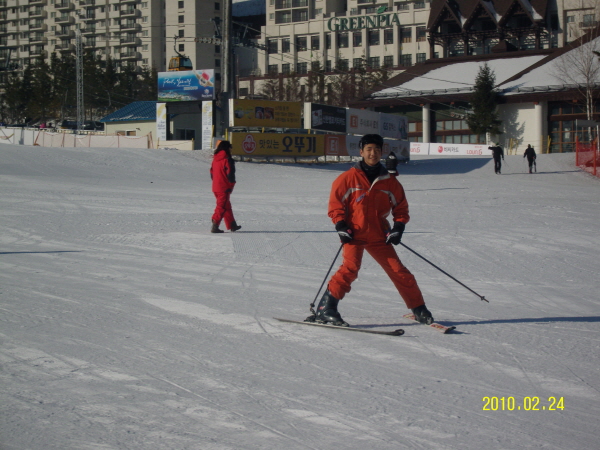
x: 361, y: 22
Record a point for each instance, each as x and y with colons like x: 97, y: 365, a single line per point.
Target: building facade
x: 137, y: 32
x: 338, y: 35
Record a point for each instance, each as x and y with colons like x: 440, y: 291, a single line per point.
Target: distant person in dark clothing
x: 531, y: 156
x: 497, y: 153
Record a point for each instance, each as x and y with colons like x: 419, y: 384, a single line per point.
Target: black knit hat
x: 370, y: 139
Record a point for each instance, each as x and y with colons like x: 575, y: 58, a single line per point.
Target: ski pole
x: 481, y: 297
x: 325, y: 279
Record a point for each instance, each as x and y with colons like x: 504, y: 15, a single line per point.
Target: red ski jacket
x: 364, y: 206
x: 222, y: 172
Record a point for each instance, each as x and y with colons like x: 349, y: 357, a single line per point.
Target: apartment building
x: 138, y: 32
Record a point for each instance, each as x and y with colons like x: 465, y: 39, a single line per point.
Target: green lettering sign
x: 358, y: 23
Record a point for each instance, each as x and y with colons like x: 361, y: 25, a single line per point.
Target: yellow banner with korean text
x: 277, y: 144
x: 265, y: 113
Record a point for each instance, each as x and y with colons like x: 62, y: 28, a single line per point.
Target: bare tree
x: 580, y: 66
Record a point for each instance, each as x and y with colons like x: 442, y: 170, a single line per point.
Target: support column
x: 426, y: 112
x: 538, y: 125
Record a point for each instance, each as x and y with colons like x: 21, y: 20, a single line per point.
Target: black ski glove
x: 344, y: 232
x: 391, y: 163
x: 395, y: 234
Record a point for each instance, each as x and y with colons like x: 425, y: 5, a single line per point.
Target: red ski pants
x: 386, y: 256
x: 223, y: 209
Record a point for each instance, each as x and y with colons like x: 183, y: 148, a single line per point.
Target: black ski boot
x: 327, y: 311
x: 423, y: 315
x: 235, y: 226
x: 215, y: 228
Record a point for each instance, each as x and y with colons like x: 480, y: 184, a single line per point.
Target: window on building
x: 388, y: 61
x: 271, y: 16
x: 421, y: 34
x: 315, y: 66
x: 302, y: 68
x: 374, y: 62
x: 285, y: 45
x: 403, y: 6
x: 357, y: 39
x: 328, y: 65
x: 373, y: 36
x: 589, y: 20
x: 180, y: 4
x: 421, y: 57
x: 315, y: 43
x: 243, y: 92
x: 272, y: 69
x: 301, y: 43
x: 182, y: 47
x: 272, y: 46
x: 181, y: 19
x: 285, y: 69
x: 343, y: 65
x: 328, y: 41
x: 388, y: 36
x: 406, y: 35
x: 217, y: 49
x: 357, y: 63
x: 181, y: 33
x: 217, y: 63
x: 419, y: 4
x: 217, y: 6
x: 406, y: 60
x: 342, y: 40
x: 299, y: 15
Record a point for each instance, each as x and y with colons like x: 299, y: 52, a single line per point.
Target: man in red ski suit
x: 222, y: 173
x: 360, y: 201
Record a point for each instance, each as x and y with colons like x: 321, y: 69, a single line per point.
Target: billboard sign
x: 393, y: 126
x: 361, y: 121
x: 324, y: 117
x: 186, y: 86
x: 265, y: 113
x: 277, y: 144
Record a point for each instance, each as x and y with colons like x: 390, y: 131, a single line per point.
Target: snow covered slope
x: 124, y: 324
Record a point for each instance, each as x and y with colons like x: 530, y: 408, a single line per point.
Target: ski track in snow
x: 124, y: 324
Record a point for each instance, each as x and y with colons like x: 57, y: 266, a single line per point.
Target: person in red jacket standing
x: 222, y: 173
x: 360, y: 201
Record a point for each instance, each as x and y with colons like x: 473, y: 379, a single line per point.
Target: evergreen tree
x: 484, y: 100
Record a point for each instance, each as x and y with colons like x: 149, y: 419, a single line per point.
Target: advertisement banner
x: 277, y: 144
x: 207, y: 124
x: 265, y: 113
x: 419, y: 148
x: 360, y: 121
x: 186, y: 86
x: 459, y: 149
x: 347, y: 145
x: 324, y: 117
x: 161, y: 121
x: 400, y: 148
x: 393, y: 126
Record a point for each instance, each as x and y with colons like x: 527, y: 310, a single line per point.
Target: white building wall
x: 520, y: 123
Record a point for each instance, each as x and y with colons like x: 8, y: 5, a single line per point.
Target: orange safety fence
x: 587, y: 156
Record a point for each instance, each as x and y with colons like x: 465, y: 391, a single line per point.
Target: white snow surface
x: 125, y: 324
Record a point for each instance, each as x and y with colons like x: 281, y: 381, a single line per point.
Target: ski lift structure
x: 180, y: 62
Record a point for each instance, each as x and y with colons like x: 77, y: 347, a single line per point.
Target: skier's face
x: 371, y: 154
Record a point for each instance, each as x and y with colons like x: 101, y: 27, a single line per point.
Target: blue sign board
x: 186, y: 86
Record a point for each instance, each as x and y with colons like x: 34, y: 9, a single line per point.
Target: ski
x: 398, y: 332
x: 438, y: 326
